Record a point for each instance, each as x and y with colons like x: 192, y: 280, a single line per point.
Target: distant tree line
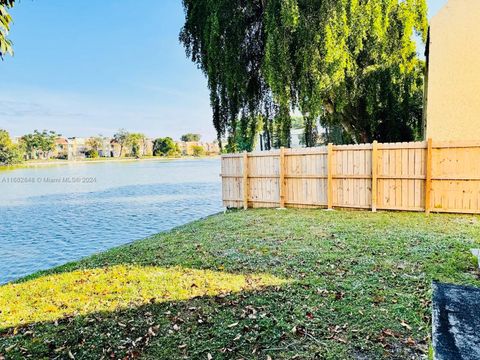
x: 39, y: 143
x: 30, y: 146
x: 44, y: 145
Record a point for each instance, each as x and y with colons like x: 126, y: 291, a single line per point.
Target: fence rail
x: 417, y: 176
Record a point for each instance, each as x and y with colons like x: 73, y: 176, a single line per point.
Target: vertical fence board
x: 330, y: 176
x: 428, y: 182
x: 282, y: 177
x: 374, y: 189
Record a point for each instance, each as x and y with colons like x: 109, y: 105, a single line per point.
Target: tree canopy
x: 350, y: 64
x: 165, y: 147
x: 135, y: 141
x: 121, y: 137
x: 5, y: 21
x: 10, y: 153
x: 39, y: 142
x: 191, y: 137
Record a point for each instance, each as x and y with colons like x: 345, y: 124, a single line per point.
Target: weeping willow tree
x: 350, y: 64
x: 5, y: 21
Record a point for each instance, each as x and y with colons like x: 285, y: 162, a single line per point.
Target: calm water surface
x: 56, y: 214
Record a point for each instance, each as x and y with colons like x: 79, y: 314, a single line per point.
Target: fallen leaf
x: 232, y: 325
x: 405, y: 325
x: 388, y: 332
x: 410, y: 342
x: 151, y: 332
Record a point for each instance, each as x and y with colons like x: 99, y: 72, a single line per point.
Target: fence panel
x: 417, y: 176
x: 352, y: 176
x: 232, y: 174
x: 456, y: 177
x: 263, y: 179
x: 401, y: 176
x: 306, y: 177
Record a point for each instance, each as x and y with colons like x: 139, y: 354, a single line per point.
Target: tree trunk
x: 350, y: 130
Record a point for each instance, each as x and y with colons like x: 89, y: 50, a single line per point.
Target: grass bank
x: 293, y: 284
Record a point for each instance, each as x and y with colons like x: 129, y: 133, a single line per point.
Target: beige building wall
x: 453, y: 94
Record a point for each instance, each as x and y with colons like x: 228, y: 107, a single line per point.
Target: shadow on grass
x: 115, y: 312
x: 127, y: 312
x: 222, y: 325
x: 81, y: 292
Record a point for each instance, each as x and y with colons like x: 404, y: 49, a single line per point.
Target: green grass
x: 294, y: 284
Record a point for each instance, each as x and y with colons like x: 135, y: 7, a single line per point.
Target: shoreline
x: 34, y: 163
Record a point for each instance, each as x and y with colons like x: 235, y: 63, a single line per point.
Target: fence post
x: 428, y: 181
x: 374, y: 175
x: 330, y: 177
x: 245, y: 180
x: 281, y: 182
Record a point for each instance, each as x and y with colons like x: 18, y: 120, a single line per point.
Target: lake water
x: 55, y: 214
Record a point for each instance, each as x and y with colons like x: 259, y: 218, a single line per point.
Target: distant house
x: 453, y: 55
x: 105, y: 148
x: 115, y: 149
x: 61, y: 148
x: 77, y: 148
x: 186, y: 148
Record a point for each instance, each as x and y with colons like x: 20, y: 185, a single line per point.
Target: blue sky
x: 86, y: 70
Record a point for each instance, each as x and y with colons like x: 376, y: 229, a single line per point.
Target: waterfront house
x: 105, y: 149
x: 76, y: 148
x: 115, y: 148
x: 61, y: 148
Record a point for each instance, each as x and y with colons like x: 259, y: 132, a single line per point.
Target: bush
x: 91, y: 154
x: 165, y: 147
x: 198, y: 150
x: 9, y: 153
x: 62, y: 156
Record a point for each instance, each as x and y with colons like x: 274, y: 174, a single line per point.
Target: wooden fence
x: 418, y: 176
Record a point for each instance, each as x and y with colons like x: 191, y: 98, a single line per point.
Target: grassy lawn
x: 260, y: 284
